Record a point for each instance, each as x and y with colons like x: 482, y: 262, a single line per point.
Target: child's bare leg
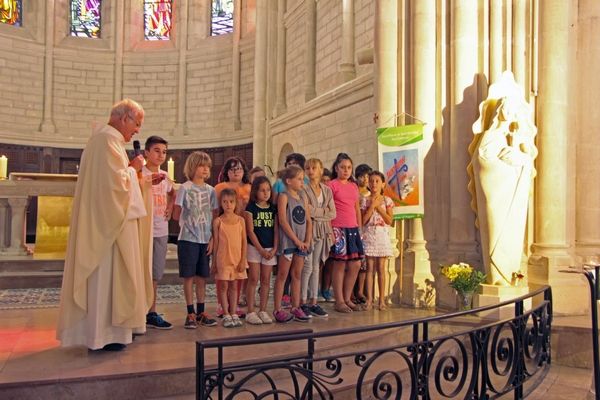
x: 381, y: 281
x: 350, y: 275
x: 283, y: 268
x: 338, y: 273
x: 265, y: 285
x: 153, y: 306
x: 253, y: 276
x: 369, y: 282
x: 361, y: 281
x: 232, y: 296
x: 224, y: 286
x: 296, y: 274
x: 188, y: 290
x: 200, y: 289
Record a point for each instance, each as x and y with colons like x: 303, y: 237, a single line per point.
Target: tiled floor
x: 30, y: 353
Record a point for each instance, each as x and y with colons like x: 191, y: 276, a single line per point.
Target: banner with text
x: 401, y: 161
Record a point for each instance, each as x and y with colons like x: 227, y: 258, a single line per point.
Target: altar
x: 55, y: 196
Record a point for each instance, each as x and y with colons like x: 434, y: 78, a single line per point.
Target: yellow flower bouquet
x: 463, y: 278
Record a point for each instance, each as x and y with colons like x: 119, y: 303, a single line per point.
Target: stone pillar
x: 259, y: 137
x: 18, y: 205
x: 236, y: 66
x: 550, y: 249
x: 519, y: 59
x: 463, y: 112
x: 182, y: 33
x: 47, y: 125
x: 417, y: 277
x: 280, y: 103
x: 496, y: 40
x: 119, y: 18
x: 310, y: 76
x: 386, y: 95
x: 347, y: 69
x: 3, y: 224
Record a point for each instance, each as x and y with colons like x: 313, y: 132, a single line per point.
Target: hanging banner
x: 401, y: 161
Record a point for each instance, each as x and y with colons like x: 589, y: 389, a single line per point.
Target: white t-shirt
x: 159, y: 199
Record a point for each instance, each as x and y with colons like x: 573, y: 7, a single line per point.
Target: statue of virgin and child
x: 501, y: 175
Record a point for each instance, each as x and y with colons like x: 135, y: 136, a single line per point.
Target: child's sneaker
x: 264, y: 317
x: 154, y: 320
x: 286, y: 301
x: 318, y: 311
x: 328, y: 296
x: 236, y: 320
x: 240, y: 313
x: 306, y: 310
x: 282, y: 316
x: 253, y: 319
x: 228, y: 321
x: 205, y: 320
x: 299, y: 315
x: 243, y: 302
x: 320, y: 297
x: 190, y: 322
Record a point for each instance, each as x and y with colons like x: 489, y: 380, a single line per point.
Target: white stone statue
x: 502, y: 172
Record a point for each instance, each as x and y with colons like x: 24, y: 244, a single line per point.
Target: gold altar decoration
x: 52, y: 230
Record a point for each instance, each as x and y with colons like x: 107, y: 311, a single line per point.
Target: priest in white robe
x: 107, y: 282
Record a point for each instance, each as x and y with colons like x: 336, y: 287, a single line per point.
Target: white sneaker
x: 253, y: 319
x: 236, y: 321
x: 264, y: 317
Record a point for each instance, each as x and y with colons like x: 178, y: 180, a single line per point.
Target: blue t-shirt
x: 197, y: 204
x: 279, y: 186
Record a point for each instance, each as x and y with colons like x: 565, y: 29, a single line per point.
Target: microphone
x: 137, y: 150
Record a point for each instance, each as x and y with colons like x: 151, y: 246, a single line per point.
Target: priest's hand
x: 137, y: 163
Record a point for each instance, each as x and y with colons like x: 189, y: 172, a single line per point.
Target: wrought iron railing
x: 456, y: 355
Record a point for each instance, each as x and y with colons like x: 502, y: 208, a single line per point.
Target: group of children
x: 243, y: 227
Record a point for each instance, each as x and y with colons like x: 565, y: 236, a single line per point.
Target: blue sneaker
x: 154, y: 320
x: 320, y: 298
x: 328, y: 296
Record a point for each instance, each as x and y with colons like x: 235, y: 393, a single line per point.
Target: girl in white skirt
x: 377, y: 218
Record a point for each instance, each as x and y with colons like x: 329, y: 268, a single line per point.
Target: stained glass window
x: 85, y: 18
x: 222, y: 17
x: 157, y: 19
x: 10, y: 12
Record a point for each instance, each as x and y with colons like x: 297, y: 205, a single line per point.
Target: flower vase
x: 465, y: 300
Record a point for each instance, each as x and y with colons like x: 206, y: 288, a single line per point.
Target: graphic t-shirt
x: 197, y: 204
x: 159, y: 200
x: 264, y: 223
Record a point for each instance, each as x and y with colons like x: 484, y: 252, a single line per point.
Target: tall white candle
x: 3, y: 167
x: 171, y: 169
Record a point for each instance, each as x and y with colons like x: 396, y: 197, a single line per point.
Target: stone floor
x: 30, y: 353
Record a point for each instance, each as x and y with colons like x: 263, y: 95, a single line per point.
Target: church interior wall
x: 89, y: 75
x: 329, y: 45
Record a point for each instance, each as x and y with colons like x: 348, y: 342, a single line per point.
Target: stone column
x: 47, y: 125
x: 311, y: 50
x: 260, y: 84
x: 119, y: 18
x: 182, y: 33
x: 519, y: 59
x: 236, y: 66
x: 496, y: 40
x: 280, y: 103
x: 3, y: 224
x: 18, y: 205
x: 347, y: 69
x: 550, y: 249
x: 386, y: 94
x: 417, y: 277
x: 463, y: 112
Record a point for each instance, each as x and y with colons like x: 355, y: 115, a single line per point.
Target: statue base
x: 493, y: 294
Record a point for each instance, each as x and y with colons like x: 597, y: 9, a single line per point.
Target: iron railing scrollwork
x: 442, y: 357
